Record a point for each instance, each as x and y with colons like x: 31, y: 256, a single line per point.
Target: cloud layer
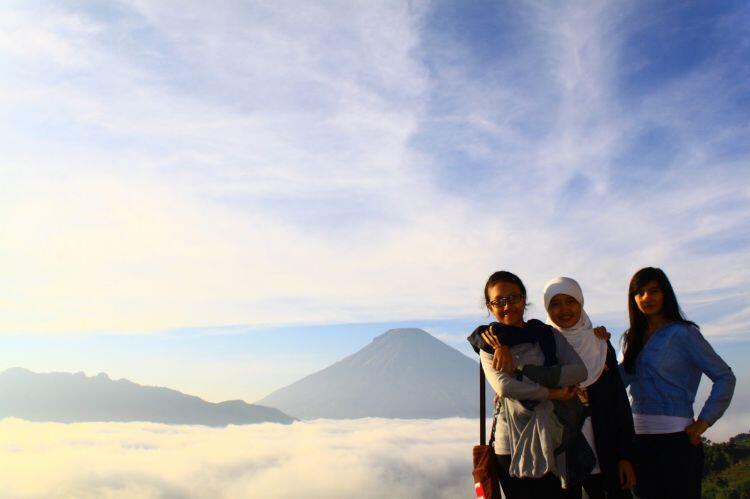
x: 371, y: 458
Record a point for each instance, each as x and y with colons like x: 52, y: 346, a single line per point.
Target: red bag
x: 486, y: 475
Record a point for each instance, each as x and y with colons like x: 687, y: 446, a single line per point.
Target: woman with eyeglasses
x: 664, y: 356
x: 608, y: 426
x: 529, y: 433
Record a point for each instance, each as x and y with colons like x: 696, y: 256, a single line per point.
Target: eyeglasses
x: 506, y: 300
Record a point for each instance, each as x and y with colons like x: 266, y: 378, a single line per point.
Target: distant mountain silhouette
x: 70, y: 398
x: 403, y: 373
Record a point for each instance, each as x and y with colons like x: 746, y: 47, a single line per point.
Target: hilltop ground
x: 726, y: 470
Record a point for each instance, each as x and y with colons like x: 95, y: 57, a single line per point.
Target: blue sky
x: 320, y: 164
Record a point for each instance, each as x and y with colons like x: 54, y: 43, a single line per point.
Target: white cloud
x: 602, y: 232
x: 105, y: 253
x: 372, y: 458
x: 170, y: 167
x: 368, y: 458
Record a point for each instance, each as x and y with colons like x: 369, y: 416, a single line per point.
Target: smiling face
x: 650, y: 300
x: 510, y: 312
x: 564, y: 310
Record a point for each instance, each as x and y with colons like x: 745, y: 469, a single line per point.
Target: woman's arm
x: 548, y: 376
x: 573, y: 370
x: 567, y: 372
x: 706, y: 358
x: 506, y: 385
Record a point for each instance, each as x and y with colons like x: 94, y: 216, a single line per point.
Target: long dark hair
x: 633, y: 339
x: 502, y: 276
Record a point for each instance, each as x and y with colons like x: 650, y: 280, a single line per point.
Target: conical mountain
x: 71, y: 398
x: 403, y: 373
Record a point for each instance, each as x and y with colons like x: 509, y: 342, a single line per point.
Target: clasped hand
x: 502, y: 360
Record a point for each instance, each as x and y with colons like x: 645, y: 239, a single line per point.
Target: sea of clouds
x: 371, y: 458
x: 368, y: 458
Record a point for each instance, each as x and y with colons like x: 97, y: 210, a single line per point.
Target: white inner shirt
x: 651, y: 424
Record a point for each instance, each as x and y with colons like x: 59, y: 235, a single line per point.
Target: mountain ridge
x: 75, y: 397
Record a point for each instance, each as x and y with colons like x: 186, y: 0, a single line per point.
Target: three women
x: 664, y: 357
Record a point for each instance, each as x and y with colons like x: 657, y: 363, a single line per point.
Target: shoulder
x: 538, y: 325
x: 546, y: 333
x: 477, y: 342
x: 685, y: 331
x: 541, y: 330
x: 687, y: 338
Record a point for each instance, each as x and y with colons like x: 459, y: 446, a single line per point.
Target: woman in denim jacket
x: 664, y: 356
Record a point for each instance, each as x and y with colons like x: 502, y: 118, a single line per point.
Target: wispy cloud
x: 568, y: 150
x: 334, y: 162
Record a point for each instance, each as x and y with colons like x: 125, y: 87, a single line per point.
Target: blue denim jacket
x: 668, y: 370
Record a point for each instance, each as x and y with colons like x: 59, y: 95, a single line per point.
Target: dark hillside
x: 726, y: 470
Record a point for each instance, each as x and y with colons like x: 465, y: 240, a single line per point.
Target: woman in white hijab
x: 609, y: 428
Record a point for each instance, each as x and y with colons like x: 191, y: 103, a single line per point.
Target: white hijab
x: 592, y: 350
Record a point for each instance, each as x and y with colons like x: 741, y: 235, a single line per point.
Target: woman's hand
x: 489, y: 337
x: 502, y: 359
x: 583, y: 395
x: 626, y: 473
x: 602, y: 333
x: 695, y: 430
x: 564, y: 393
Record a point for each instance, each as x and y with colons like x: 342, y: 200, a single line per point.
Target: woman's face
x: 507, y: 303
x: 564, y: 310
x: 650, y: 299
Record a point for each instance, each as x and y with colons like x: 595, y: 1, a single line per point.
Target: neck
x: 655, y: 322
